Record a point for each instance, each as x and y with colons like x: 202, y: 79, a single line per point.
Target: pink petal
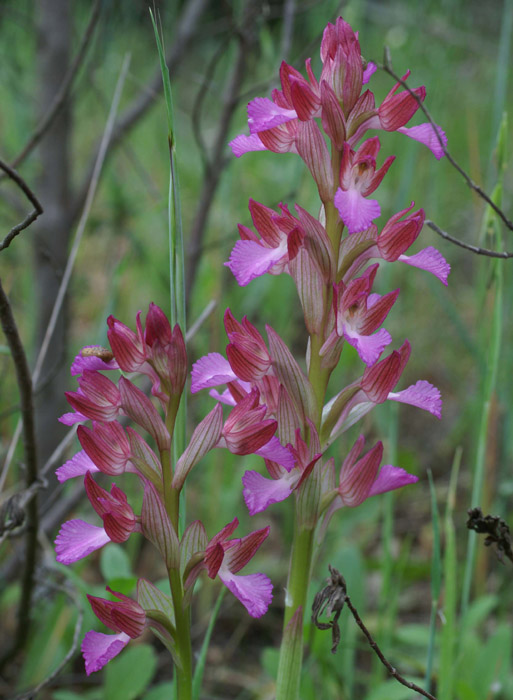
x: 72, y: 418
x: 254, y: 591
x: 260, y: 492
x: 355, y: 210
x: 423, y: 395
x: 250, y: 259
x: 98, y: 649
x: 425, y: 133
x: 77, y: 539
x: 368, y: 72
x: 244, y: 144
x: 224, y: 397
x: 263, y: 114
x: 78, y: 465
x: 90, y: 362
x: 369, y: 347
x: 211, y: 370
x: 275, y: 451
x: 431, y: 260
x: 391, y: 478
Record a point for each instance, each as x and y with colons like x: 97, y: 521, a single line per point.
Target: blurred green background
x: 461, y: 52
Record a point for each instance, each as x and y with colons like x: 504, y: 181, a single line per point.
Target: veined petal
x: 391, y: 478
x: 250, y: 259
x: 91, y: 362
x: 72, y: 418
x: 425, y: 133
x: 259, y: 492
x: 263, y: 114
x: 368, y: 72
x: 77, y: 539
x: 78, y: 465
x: 369, y: 347
x: 98, y: 649
x: 356, y: 211
x: 254, y: 590
x: 211, y: 370
x: 423, y: 395
x: 244, y: 144
x: 431, y: 260
x: 276, y: 452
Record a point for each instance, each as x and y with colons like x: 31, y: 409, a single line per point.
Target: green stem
x: 183, y: 670
x: 291, y: 651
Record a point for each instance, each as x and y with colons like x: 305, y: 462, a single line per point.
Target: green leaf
x: 114, y: 562
x: 162, y: 691
x: 129, y: 674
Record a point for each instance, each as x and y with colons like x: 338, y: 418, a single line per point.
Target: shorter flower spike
x: 225, y: 558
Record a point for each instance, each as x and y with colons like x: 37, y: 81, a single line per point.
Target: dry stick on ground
x: 38, y: 209
x: 64, y: 90
x: 387, y: 67
x: 330, y: 601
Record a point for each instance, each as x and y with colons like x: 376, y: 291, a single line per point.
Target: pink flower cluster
x: 112, y: 447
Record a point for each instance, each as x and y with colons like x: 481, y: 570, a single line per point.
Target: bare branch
x: 38, y: 209
x: 387, y: 67
x: 64, y: 90
x: 24, y: 381
x: 330, y: 601
x: 467, y: 246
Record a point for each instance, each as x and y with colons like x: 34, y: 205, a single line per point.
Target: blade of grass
x: 448, y: 634
x: 436, y: 579
x: 493, y: 340
x: 200, y: 665
x: 176, y: 250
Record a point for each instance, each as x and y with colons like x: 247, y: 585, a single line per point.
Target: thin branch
x: 76, y: 243
x: 38, y: 209
x: 467, y: 246
x: 24, y: 381
x: 64, y: 90
x: 330, y: 601
x: 387, y: 67
x: 27, y: 695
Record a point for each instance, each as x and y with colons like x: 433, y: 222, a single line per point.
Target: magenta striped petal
x: 250, y: 259
x: 78, y: 465
x: 356, y: 211
x: 211, y: 370
x: 254, y: 591
x: 263, y: 114
x: 98, y: 649
x: 431, y: 260
x: 245, y: 144
x: 425, y: 133
x: 259, y: 492
x: 77, y: 539
x: 391, y: 478
x: 423, y: 395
